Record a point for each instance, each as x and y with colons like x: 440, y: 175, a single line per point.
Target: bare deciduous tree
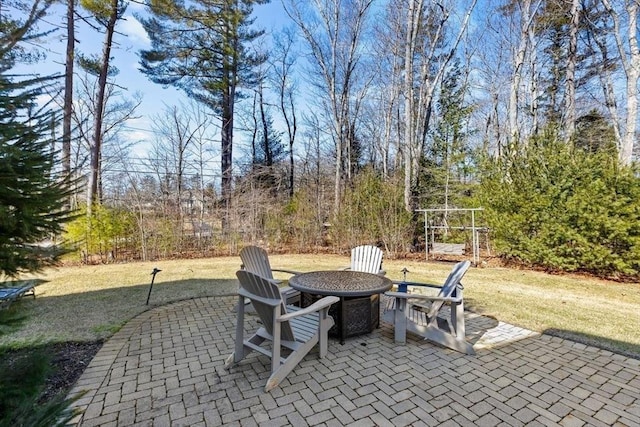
x: 334, y: 32
x: 527, y: 12
x: 628, y: 49
x: 428, y: 53
x: 176, y: 131
x: 107, y: 15
x: 283, y: 60
x: 117, y: 111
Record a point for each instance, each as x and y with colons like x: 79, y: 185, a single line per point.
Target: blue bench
x: 10, y: 294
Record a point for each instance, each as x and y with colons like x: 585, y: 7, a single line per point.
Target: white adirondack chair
x: 297, y: 330
x: 256, y: 260
x: 367, y: 258
x: 407, y: 312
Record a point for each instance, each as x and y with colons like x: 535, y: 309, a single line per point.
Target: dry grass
x: 92, y: 302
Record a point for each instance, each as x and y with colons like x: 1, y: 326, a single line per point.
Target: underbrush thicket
x: 551, y: 205
x: 372, y: 211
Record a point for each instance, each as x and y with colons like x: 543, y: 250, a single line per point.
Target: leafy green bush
x: 564, y: 208
x: 103, y: 232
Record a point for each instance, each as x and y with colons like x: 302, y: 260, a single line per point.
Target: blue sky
x: 131, y: 38
x: 269, y: 17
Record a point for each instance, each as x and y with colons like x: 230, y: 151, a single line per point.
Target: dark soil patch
x: 68, y: 360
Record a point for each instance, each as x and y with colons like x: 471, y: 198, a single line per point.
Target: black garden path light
x: 153, y: 278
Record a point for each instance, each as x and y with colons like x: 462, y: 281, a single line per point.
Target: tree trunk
x: 254, y: 133
x: 630, y: 57
x: 604, y: 75
x: 68, y: 93
x: 414, y: 15
x: 96, y: 149
x: 518, y: 66
x: 292, y: 129
x: 226, y: 156
x: 572, y: 59
x: 268, y: 155
x: 633, y: 74
x: 534, y: 109
x: 182, y: 145
x: 229, y: 80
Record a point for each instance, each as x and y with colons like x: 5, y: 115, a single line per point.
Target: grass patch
x: 91, y: 303
x: 11, y: 319
x: 107, y: 329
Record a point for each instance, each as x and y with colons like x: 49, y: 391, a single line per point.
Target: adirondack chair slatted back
x: 450, y: 286
x: 366, y: 258
x: 261, y: 287
x: 256, y: 260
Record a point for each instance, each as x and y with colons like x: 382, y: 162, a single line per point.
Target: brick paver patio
x: 166, y: 367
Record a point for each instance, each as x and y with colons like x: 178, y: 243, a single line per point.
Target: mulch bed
x: 68, y: 361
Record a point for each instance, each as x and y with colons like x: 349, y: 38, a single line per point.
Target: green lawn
x: 90, y: 303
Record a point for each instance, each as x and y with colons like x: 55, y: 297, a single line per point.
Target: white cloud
x: 135, y: 6
x: 44, y: 99
x: 132, y: 28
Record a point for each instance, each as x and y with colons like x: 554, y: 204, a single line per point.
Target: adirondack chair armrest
x: 423, y: 285
x: 281, y: 270
x: 275, y: 281
x: 406, y: 295
x: 313, y: 308
x: 273, y: 302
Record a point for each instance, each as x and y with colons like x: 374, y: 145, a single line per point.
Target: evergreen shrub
x: 32, y: 197
x: 563, y: 208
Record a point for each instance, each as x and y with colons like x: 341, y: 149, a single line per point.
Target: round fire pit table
x: 358, y: 311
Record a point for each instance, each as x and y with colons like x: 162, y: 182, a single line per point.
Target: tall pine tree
x: 32, y: 198
x: 201, y: 47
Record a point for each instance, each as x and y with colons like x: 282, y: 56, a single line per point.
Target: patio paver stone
x: 166, y: 367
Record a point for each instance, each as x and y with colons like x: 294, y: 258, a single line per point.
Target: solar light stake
x: 153, y: 278
x: 402, y: 287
